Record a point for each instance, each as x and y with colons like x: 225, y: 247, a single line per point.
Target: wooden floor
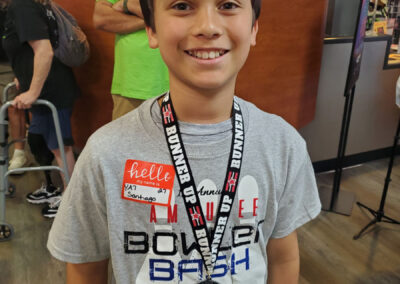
x: 327, y: 249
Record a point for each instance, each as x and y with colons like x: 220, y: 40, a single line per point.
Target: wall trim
x: 355, y: 159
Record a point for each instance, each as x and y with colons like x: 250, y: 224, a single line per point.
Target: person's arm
x: 110, y: 20
x: 43, y: 57
x: 88, y: 273
x: 133, y: 7
x: 283, y: 260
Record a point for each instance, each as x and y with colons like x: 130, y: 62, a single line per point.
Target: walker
x: 8, y: 189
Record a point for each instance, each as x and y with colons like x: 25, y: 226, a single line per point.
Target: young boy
x: 197, y: 185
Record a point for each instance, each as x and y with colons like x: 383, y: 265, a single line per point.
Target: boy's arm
x: 110, y: 20
x: 283, y: 260
x: 88, y: 273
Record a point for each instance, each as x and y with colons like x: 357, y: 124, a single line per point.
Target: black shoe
x: 43, y: 195
x: 51, y: 209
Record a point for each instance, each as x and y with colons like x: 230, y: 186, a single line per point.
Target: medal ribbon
x: 208, y: 245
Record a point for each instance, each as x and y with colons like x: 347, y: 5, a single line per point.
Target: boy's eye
x: 181, y: 6
x: 228, y: 6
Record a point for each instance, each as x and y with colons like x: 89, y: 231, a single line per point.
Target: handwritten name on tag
x: 147, y: 182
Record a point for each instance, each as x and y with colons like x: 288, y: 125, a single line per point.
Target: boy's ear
x: 254, y: 31
x: 153, y: 41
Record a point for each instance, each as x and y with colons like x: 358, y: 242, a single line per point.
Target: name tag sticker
x: 147, y: 182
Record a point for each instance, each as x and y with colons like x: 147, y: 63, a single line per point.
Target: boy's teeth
x: 206, y: 54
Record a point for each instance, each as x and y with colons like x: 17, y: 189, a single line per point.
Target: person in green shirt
x: 139, y: 71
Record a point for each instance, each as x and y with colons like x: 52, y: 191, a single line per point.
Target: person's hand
x: 16, y: 83
x: 119, y: 6
x: 25, y: 100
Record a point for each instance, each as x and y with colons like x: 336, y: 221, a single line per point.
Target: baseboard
x: 355, y: 159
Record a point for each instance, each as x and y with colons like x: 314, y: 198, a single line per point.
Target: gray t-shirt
x: 109, y: 211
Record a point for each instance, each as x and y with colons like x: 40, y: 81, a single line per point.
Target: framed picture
x: 380, y: 28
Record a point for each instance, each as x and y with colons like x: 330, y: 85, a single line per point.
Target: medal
x: 208, y: 281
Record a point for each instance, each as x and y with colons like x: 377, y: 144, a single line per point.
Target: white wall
x: 375, y: 115
x: 344, y: 17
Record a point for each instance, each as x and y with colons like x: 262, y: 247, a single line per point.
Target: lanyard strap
x: 208, y: 245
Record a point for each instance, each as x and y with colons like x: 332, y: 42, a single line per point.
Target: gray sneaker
x: 45, y: 194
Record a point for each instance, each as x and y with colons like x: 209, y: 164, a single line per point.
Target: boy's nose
x: 207, y: 23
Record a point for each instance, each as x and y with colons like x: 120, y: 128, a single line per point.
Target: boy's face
x: 203, y: 42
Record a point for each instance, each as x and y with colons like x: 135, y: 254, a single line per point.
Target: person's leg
x: 17, y: 126
x: 16, y: 119
x: 123, y: 105
x: 44, y: 157
x: 64, y: 116
x: 69, y: 156
x: 42, y: 154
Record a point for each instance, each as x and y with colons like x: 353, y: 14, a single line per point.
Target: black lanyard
x: 208, y: 245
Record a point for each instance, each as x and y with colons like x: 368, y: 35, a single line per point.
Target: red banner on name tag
x: 147, y: 182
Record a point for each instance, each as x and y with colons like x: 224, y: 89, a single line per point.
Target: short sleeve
x: 299, y: 201
x: 80, y: 232
x: 30, y: 21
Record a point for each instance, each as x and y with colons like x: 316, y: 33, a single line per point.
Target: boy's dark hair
x: 148, y: 11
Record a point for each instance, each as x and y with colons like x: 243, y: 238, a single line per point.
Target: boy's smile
x: 203, y: 42
x: 209, y: 53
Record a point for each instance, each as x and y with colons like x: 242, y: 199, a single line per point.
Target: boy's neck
x: 202, y: 107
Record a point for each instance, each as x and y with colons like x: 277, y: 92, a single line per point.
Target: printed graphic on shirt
x: 147, y: 182
x: 174, y: 257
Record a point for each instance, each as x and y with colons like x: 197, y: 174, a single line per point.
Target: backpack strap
x: 52, y: 25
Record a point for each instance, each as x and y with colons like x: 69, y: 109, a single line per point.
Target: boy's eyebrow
x: 169, y: 2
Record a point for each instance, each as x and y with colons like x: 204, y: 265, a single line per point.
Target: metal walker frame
x: 6, y: 230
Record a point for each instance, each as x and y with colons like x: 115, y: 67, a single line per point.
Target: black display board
x: 343, y: 204
x: 358, y: 46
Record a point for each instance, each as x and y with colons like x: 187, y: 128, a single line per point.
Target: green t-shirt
x: 139, y: 71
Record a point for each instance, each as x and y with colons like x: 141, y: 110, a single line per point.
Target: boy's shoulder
x: 268, y: 125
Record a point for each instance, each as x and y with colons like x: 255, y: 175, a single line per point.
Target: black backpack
x: 69, y: 43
